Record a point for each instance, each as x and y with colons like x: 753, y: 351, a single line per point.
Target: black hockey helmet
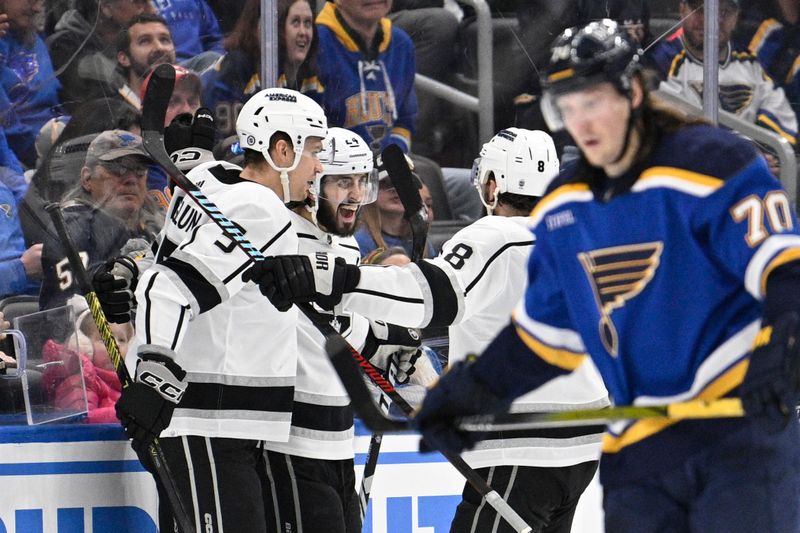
x: 588, y: 55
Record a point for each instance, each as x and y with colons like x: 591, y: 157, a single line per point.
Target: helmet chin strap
x: 490, y: 207
x: 287, y: 196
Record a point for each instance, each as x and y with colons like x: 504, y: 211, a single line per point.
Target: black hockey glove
x: 189, y: 140
x: 770, y: 387
x: 114, y: 282
x: 389, y: 341
x: 146, y: 405
x: 458, y: 393
x: 319, y: 277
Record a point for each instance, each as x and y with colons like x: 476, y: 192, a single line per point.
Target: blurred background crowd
x: 72, y: 75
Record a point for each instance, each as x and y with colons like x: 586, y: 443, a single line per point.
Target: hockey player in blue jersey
x: 669, y: 255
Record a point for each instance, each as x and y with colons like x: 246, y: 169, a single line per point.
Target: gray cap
x: 113, y: 144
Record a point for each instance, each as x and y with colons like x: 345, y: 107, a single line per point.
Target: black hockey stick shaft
x: 159, y: 90
x: 154, y: 451
x: 394, y: 162
x: 342, y: 356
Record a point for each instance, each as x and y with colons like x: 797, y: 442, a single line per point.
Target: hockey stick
x: 394, y: 162
x: 375, y: 420
x: 694, y: 409
x: 159, y: 90
x: 154, y: 452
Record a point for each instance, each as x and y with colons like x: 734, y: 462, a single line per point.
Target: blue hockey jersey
x: 373, y: 97
x: 778, y: 49
x: 662, y: 286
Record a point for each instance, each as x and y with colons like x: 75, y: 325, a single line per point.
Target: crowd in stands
x: 73, y: 72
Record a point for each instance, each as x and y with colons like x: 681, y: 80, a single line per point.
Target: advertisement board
x: 86, y: 479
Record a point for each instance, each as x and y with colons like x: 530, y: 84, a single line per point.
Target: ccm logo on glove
x: 156, y: 375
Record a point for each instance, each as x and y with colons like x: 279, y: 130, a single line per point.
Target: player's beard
x: 327, y: 219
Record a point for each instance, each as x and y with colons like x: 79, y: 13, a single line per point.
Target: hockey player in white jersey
x: 472, y: 286
x: 311, y: 476
x: 216, y: 361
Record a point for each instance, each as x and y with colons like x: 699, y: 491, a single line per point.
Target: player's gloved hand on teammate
x: 114, y: 282
x: 389, y: 341
x: 458, y: 393
x: 319, y: 277
x: 189, y: 141
x: 770, y: 387
x: 145, y: 407
x: 426, y: 368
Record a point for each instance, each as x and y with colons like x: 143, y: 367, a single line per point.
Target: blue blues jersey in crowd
x: 193, y: 26
x: 777, y: 47
x: 233, y: 79
x: 372, y: 96
x: 28, y: 92
x: 662, y: 285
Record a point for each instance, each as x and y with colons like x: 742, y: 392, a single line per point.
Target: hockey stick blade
x: 154, y: 451
x: 393, y: 160
x: 156, y: 98
x: 690, y: 410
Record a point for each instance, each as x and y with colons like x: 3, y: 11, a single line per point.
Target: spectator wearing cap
x: 383, y: 224
x: 84, y: 45
x: 28, y: 86
x: 143, y: 44
x: 744, y: 88
x: 109, y: 206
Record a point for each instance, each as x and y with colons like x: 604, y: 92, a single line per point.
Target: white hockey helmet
x: 521, y: 161
x: 280, y: 110
x: 346, y: 154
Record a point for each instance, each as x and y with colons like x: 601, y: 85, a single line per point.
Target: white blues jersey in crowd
x: 474, y: 284
x: 322, y: 419
x: 239, y: 352
x: 744, y: 88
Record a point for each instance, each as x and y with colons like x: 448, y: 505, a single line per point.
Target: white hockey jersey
x: 322, y: 419
x: 744, y: 88
x: 474, y: 284
x: 239, y: 352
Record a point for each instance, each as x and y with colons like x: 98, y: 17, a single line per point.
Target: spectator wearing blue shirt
x: 367, y: 67
x: 19, y: 267
x: 194, y: 28
x: 236, y: 76
x: 28, y: 86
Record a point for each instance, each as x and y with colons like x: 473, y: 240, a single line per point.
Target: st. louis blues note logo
x: 617, y: 274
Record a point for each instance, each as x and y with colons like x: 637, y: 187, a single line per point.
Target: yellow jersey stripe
x: 786, y: 256
x: 557, y: 357
x: 774, y: 126
x: 758, y: 39
x: 682, y: 174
